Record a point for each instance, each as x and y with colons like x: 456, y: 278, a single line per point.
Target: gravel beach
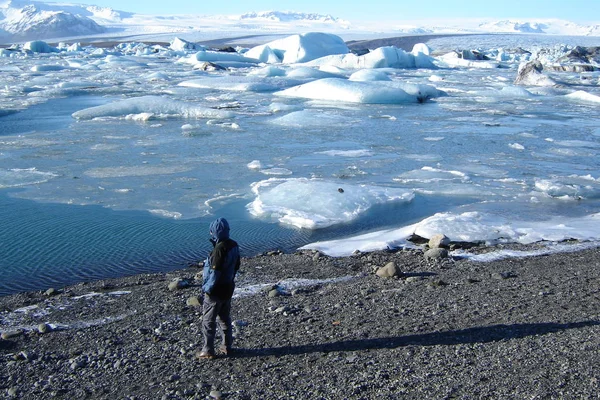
x: 310, y: 326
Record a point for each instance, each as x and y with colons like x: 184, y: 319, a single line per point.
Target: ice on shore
x: 549, y: 248
x: 286, y: 285
x: 471, y: 227
x: 155, y: 105
x: 314, y: 203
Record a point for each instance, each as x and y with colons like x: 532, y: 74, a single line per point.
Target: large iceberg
x: 299, y: 48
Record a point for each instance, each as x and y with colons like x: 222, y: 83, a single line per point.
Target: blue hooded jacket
x: 222, y: 264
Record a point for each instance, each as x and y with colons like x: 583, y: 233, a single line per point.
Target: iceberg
x: 383, y: 57
x: 39, y: 46
x: 219, y: 57
x: 342, y: 90
x: 580, y: 95
x: 299, y: 48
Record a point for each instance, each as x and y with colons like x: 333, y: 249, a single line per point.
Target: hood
x: 219, y: 229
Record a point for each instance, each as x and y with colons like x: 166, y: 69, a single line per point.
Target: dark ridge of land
x: 405, y: 43
x: 452, y: 329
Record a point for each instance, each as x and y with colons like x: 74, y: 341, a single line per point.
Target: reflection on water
x: 51, y: 245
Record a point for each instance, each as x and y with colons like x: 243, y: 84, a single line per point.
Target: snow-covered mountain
x: 22, y: 20
x: 553, y: 27
x: 30, y: 22
x: 292, y: 16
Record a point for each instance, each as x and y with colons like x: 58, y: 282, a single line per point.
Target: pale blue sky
x: 401, y: 10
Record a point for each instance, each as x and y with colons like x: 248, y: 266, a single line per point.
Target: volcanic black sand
x: 520, y: 328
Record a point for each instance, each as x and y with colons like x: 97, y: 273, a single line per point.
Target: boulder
x: 209, y: 66
x: 389, y: 270
x: 193, y: 301
x: 530, y: 74
x: 581, y: 55
x: 44, y: 328
x: 178, y: 283
x: 11, y: 334
x: 436, y: 254
x: 439, y: 240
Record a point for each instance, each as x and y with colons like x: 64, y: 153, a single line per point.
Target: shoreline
x: 517, y: 328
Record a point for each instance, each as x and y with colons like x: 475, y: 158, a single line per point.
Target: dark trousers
x: 216, y: 310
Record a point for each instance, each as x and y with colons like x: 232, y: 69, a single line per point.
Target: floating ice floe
x: 309, y: 73
x: 268, y: 71
x: 342, y: 90
x: 166, y: 213
x: 18, y: 177
x: 369, y: 75
x: 347, y: 153
x: 225, y: 59
x: 241, y: 83
x: 276, y: 171
x: 310, y: 118
x: 435, y: 181
x: 516, y: 146
x: 453, y: 60
x: 49, y: 68
x: 136, y: 170
x: 156, y: 105
x: 313, y: 203
x: 254, y: 164
x: 569, y: 187
x: 580, y: 95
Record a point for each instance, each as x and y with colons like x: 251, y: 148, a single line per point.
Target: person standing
x: 218, y: 285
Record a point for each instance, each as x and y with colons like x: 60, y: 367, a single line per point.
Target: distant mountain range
x: 24, y: 20
x: 292, y: 17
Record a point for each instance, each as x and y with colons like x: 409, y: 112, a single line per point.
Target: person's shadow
x: 484, y: 334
